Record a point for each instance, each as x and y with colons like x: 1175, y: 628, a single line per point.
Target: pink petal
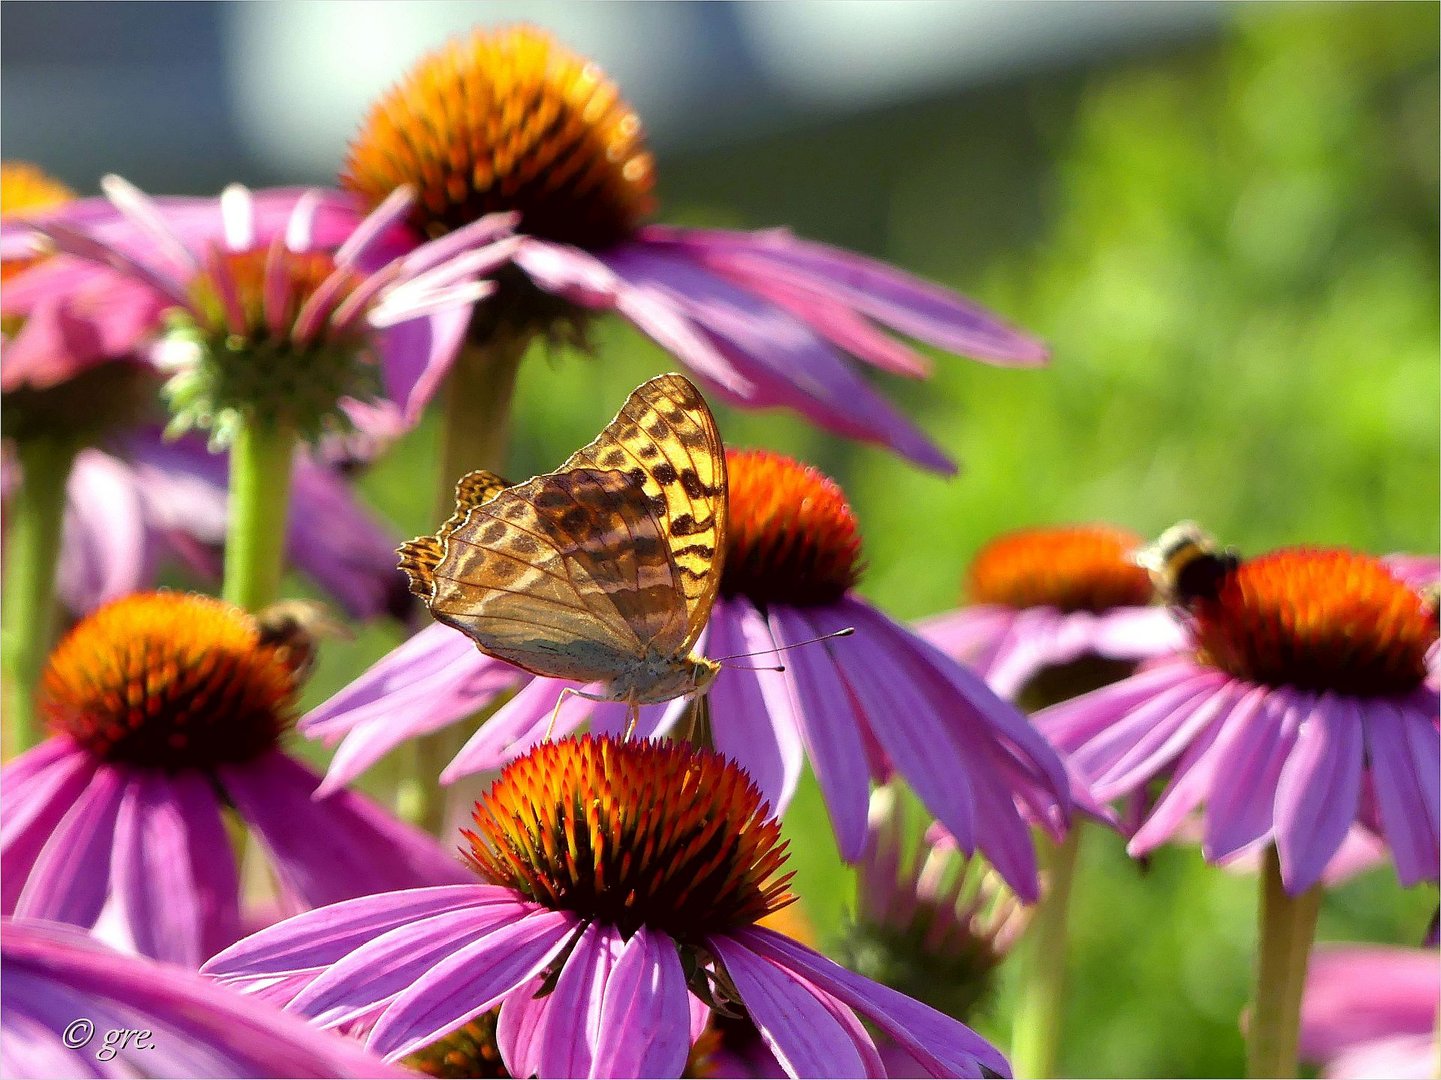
x: 902, y: 301
x: 1358, y: 993
x: 1319, y: 790
x: 1401, y: 777
x: 830, y: 729
x: 37, y: 790
x: 1251, y: 752
x: 941, y: 1044
x: 379, y: 970
x: 470, y: 981
x: 804, y: 1035
x: 644, y: 1027
x: 71, y: 877
x: 519, y: 724
x: 762, y: 739
x: 173, y: 874
x: 314, y: 940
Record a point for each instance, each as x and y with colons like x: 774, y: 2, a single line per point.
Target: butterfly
x: 603, y: 571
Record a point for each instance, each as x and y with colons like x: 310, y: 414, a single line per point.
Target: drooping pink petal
x: 644, y: 1027
x: 1166, y: 734
x: 1240, y: 812
x: 105, y: 550
x: 1319, y: 789
x: 173, y: 874
x: 783, y: 357
x: 1400, y: 781
x: 37, y: 790
x: 328, y: 849
x: 583, y: 279
x: 915, y: 737
x: 830, y: 729
x: 379, y: 970
x: 1193, y: 777
x: 968, y: 634
x: 557, y: 1034
x: 470, y: 981
x: 190, y: 1027
x: 313, y: 940
x: 763, y: 740
x: 1075, y: 723
x: 944, y: 1045
x: 800, y: 1031
x: 70, y: 880
x: 1155, y: 735
x: 892, y: 297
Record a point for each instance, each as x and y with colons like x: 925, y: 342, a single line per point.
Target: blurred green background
x: 1232, y: 249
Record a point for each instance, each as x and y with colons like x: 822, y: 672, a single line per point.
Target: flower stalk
x: 261, y: 461
x: 1040, y: 1012
x: 1287, y: 930
x: 32, y: 553
x: 475, y: 434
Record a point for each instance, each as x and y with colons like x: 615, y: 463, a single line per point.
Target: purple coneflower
x: 72, y: 1007
x: 272, y: 325
x: 1053, y: 612
x: 1301, y: 708
x: 878, y: 703
x: 1370, y: 1011
x: 623, y: 880
x: 510, y: 120
x: 167, y: 710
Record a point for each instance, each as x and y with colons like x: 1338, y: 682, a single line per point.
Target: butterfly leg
x: 555, y: 715
x: 632, y: 716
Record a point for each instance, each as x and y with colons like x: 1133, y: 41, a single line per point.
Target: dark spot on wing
x: 665, y: 473
x: 493, y: 533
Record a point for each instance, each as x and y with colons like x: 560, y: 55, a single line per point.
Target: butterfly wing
x: 567, y: 575
x: 665, y: 439
x: 420, y: 557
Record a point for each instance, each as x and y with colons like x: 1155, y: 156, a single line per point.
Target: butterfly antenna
x: 847, y: 632
x: 742, y: 667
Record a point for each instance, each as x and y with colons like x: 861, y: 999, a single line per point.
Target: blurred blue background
x: 1222, y: 217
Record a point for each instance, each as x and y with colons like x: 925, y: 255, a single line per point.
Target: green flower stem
x: 1287, y: 929
x: 475, y: 435
x: 32, y: 550
x: 1036, y: 1030
x: 261, y: 461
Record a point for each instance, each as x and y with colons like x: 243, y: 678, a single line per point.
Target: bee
x: 1186, y: 565
x: 297, y: 626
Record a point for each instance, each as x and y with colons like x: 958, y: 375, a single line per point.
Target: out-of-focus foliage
x: 1233, y: 251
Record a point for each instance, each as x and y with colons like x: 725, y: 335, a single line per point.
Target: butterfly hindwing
x: 420, y: 557
x: 666, y: 440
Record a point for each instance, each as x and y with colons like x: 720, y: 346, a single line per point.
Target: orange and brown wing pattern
x: 566, y: 575
x: 666, y: 440
x: 420, y: 557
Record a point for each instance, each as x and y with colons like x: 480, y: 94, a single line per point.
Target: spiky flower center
x: 791, y: 537
x: 273, y: 339
x: 633, y: 834
x: 172, y: 681
x: 1076, y: 568
x: 1318, y: 619
x: 508, y: 120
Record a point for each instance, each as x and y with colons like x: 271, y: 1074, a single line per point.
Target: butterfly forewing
x: 666, y: 439
x: 612, y: 559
